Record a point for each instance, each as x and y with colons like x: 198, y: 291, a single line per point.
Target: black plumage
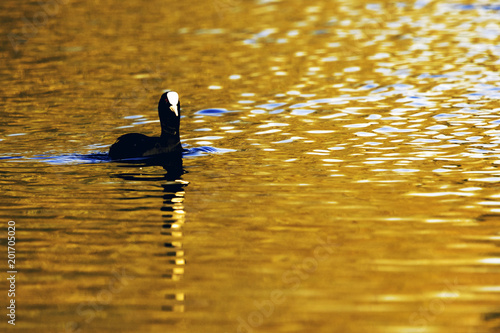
x: 133, y: 145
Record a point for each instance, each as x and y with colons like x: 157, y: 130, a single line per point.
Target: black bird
x: 133, y: 145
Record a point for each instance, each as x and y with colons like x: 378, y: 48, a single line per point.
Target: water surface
x: 341, y: 173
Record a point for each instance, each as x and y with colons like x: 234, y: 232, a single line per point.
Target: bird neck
x: 169, y: 136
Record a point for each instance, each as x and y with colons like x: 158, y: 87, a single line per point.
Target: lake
x: 341, y: 170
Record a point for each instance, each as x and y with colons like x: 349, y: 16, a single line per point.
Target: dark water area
x: 340, y: 172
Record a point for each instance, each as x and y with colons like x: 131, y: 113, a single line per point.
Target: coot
x: 134, y: 145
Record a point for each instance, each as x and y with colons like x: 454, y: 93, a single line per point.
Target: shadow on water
x: 492, y: 320
x: 172, y: 163
x: 173, y: 219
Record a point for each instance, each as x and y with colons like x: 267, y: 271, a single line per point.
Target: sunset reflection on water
x: 341, y: 168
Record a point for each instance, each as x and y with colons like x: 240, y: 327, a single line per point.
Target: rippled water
x: 340, y: 174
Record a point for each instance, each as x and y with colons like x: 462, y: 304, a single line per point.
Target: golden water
x: 358, y: 193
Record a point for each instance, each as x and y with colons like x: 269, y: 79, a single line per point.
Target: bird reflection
x: 173, y: 217
x: 492, y: 321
